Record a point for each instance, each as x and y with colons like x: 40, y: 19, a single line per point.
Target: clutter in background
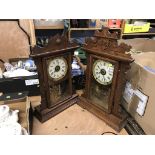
x: 1, y: 73
x: 1, y: 68
x: 136, y: 26
x: 27, y: 64
x: 42, y: 41
x: 114, y: 23
x: 9, y: 122
x: 95, y: 23
x: 76, y: 69
x: 19, y: 69
x: 80, y: 40
x: 49, y: 22
x: 18, y: 73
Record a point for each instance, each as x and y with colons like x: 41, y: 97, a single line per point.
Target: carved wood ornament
x: 54, y: 71
x: 107, y: 63
x: 102, y: 97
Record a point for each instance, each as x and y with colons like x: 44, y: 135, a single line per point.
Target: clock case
x: 58, y: 46
x: 105, y: 46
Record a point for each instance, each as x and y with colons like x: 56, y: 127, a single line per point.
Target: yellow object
x: 131, y: 28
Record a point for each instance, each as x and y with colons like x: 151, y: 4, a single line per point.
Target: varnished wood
x: 105, y: 46
x: 67, y: 56
x: 120, y: 86
x: 39, y: 65
x: 70, y: 74
x: 47, y: 113
x: 109, y: 54
x: 88, y: 76
x: 117, y: 123
x: 58, y: 46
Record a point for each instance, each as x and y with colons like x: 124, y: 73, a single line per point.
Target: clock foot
x: 47, y: 113
x: 117, y: 123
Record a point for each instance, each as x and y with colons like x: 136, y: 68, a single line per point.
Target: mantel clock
x: 107, y: 63
x: 54, y: 71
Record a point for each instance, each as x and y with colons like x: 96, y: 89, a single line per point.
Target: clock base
x: 117, y: 123
x: 47, y: 113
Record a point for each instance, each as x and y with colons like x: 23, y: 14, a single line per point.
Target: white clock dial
x: 103, y: 72
x: 57, y: 68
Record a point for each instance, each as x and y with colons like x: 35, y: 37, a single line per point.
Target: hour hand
x: 98, y: 67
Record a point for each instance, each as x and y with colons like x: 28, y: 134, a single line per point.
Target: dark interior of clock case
x: 59, y: 92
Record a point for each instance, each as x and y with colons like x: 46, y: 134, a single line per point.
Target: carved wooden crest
x: 104, y: 41
x: 56, y: 42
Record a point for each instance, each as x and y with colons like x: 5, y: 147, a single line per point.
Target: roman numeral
x: 52, y: 73
x: 57, y: 61
x: 108, y: 77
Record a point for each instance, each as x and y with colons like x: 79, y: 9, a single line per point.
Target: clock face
x: 103, y: 72
x: 57, y: 68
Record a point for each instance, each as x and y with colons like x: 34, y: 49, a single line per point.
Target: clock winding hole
x: 57, y: 68
x: 103, y: 72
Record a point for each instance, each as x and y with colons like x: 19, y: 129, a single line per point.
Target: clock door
x: 103, y: 73
x: 58, y: 79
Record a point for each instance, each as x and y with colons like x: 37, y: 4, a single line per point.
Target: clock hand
x: 57, y: 62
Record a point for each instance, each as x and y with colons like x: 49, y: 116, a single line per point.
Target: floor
x: 73, y: 121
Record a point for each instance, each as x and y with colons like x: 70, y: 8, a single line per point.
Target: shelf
x: 115, y: 28
x: 92, y: 28
x: 89, y: 28
x: 130, y: 34
x: 49, y: 27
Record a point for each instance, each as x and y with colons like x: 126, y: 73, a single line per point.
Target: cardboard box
x: 141, y: 88
x: 13, y: 41
x: 140, y: 44
x: 131, y: 28
x: 101, y: 23
x: 23, y: 105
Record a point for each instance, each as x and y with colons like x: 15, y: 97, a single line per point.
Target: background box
x: 142, y: 77
x: 131, y: 28
x: 21, y: 103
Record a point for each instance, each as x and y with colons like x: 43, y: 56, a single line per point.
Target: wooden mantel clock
x: 107, y: 63
x: 54, y: 71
